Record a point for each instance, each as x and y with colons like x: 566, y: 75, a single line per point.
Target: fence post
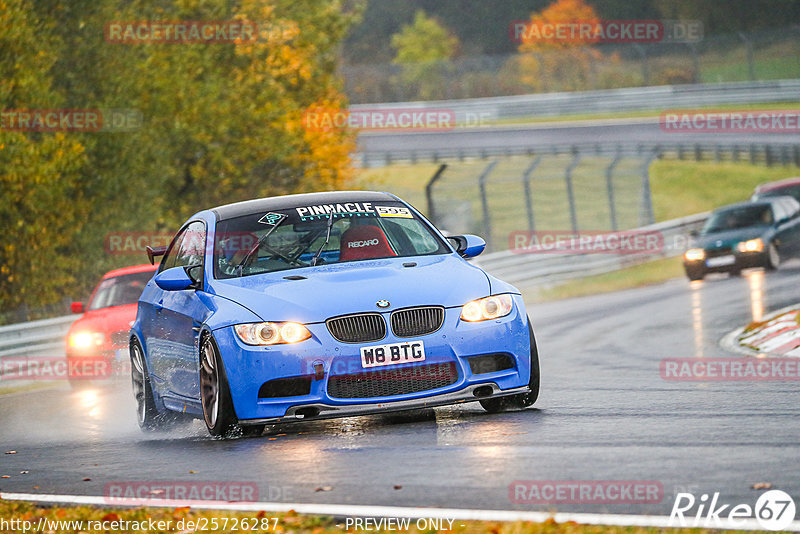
x: 487, y: 221
x: 695, y: 63
x: 429, y: 192
x: 573, y: 217
x: 646, y: 216
x: 751, y: 71
x: 543, y: 76
x: 612, y: 208
x: 526, y: 181
x: 645, y: 72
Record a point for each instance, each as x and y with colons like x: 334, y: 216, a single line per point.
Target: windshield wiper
x: 255, y: 247
x: 327, y: 238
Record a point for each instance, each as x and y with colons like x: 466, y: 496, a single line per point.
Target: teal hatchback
x: 760, y: 233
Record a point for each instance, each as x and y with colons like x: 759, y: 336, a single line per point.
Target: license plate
x: 720, y: 261
x: 392, y: 353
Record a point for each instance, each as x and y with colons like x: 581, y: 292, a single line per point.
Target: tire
x: 215, y: 395
x: 773, y: 258
x: 147, y: 415
x: 694, y: 274
x: 522, y: 400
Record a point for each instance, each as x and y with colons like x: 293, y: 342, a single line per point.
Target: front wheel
x: 773, y: 257
x: 522, y: 400
x: 218, y: 412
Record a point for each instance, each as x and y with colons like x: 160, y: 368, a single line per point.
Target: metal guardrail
x: 662, y: 97
x: 543, y: 269
x: 755, y: 153
x: 36, y: 338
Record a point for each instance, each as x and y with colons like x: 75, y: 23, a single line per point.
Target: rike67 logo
x: 774, y: 510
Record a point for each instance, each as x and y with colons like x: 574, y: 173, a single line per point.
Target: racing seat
x: 364, y: 242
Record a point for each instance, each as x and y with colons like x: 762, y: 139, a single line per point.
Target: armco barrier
x: 527, y: 270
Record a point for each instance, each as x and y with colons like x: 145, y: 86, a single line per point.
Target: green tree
x: 41, y: 173
x: 422, y: 48
x: 221, y: 122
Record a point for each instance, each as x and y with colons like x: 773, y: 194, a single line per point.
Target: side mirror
x: 174, y: 279
x: 76, y: 307
x: 468, y: 246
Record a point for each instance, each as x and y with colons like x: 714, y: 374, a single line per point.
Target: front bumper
x: 327, y: 411
x: 741, y: 260
x: 322, y: 356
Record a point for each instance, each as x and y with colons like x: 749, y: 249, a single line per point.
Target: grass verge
x: 649, y: 273
x: 6, y: 389
x: 169, y: 520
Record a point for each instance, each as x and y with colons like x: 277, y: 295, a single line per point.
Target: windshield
x: 120, y: 290
x: 287, y: 239
x: 741, y: 217
x: 792, y: 191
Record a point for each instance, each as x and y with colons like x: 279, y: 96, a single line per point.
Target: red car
x: 788, y: 187
x: 97, y: 343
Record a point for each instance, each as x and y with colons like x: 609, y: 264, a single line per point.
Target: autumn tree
x: 422, y: 47
x: 564, y: 63
x: 221, y: 122
x: 41, y: 173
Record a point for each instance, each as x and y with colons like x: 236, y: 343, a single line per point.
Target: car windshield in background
x: 120, y: 290
x: 320, y: 235
x: 783, y: 191
x: 741, y: 217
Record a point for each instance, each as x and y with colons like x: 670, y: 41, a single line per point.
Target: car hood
x: 106, y: 320
x: 339, y: 289
x: 729, y: 238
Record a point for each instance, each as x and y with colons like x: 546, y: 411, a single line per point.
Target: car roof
x: 247, y: 207
x: 771, y: 186
x: 130, y: 270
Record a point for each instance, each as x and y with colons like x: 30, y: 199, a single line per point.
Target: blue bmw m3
x: 322, y: 305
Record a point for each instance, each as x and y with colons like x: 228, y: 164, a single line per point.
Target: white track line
x: 348, y: 510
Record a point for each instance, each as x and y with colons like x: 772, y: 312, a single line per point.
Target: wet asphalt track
x: 604, y: 413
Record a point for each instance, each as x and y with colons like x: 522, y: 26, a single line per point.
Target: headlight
x: 487, y: 308
x: 86, y: 340
x: 271, y: 333
x: 694, y: 254
x: 753, y: 245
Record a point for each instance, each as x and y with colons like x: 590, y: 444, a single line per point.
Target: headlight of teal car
x: 271, y: 333
x: 487, y: 308
x: 753, y: 245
